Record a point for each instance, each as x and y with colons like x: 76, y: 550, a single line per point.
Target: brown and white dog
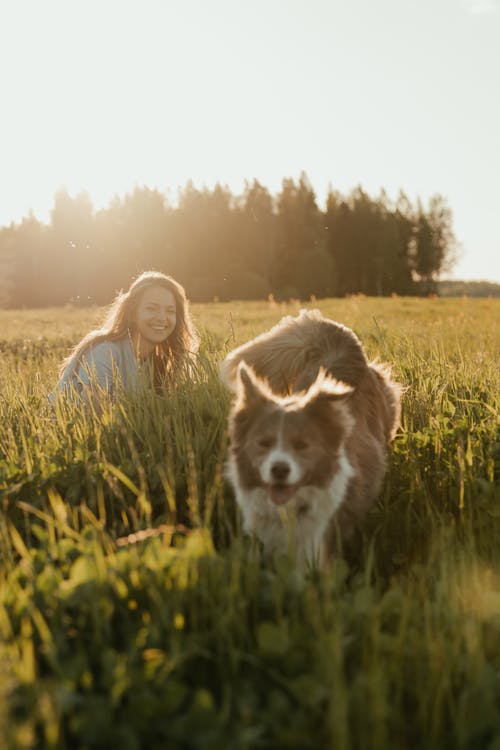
x: 308, y: 429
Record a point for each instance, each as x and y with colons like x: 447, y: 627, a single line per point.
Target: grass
x: 133, y: 612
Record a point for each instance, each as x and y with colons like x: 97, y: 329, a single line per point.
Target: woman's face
x: 155, y: 318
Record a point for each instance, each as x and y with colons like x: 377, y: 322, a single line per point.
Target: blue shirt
x: 106, y: 365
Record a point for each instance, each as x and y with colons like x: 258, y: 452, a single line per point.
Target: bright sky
x: 103, y: 95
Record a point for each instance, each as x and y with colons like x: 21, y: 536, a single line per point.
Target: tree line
x: 221, y: 246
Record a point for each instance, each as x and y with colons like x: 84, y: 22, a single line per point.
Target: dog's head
x: 282, y: 444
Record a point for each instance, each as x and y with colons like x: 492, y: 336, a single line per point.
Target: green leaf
x: 273, y: 639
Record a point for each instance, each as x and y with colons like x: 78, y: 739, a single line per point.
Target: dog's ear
x: 327, y: 388
x: 249, y: 389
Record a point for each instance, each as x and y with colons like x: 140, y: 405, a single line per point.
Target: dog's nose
x: 280, y: 471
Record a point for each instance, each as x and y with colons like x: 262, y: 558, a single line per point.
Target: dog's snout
x: 280, y: 471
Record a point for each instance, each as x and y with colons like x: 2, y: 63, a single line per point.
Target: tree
x: 404, y: 218
x: 298, y: 233
x: 338, y: 239
x: 205, y: 240
x: 28, y: 242
x: 65, y: 272
x: 436, y: 245
x: 256, y: 230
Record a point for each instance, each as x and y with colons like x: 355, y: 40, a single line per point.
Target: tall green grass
x: 134, y: 613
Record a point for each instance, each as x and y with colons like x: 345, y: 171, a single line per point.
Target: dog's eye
x: 265, y: 442
x: 299, y: 444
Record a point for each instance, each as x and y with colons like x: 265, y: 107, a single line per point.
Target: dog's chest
x: 297, y: 528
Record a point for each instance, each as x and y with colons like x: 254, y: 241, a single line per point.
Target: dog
x: 309, y: 429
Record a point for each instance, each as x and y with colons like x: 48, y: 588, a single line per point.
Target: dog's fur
x: 308, y: 431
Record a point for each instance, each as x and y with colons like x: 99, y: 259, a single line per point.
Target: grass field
x: 134, y: 615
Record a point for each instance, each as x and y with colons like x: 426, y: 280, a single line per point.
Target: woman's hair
x: 119, y: 322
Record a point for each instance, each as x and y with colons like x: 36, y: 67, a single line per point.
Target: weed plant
x: 134, y: 614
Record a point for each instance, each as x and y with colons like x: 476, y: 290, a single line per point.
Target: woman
x: 147, y: 327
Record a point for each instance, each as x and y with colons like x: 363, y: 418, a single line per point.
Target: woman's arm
x: 91, y: 378
x: 97, y: 370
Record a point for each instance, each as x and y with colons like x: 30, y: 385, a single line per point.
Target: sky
x: 106, y: 95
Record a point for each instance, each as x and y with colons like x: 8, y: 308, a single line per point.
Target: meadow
x: 134, y: 614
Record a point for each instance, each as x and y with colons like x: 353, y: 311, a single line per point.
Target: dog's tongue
x: 281, y: 493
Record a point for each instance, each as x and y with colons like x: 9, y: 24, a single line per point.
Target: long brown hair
x: 168, y: 356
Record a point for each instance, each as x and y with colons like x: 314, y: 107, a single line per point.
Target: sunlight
x: 103, y: 97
